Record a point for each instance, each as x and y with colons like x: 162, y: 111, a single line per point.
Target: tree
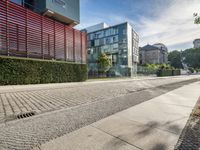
x: 174, y: 58
x: 192, y: 57
x: 152, y: 66
x: 165, y: 67
x: 104, y: 63
x: 197, y: 18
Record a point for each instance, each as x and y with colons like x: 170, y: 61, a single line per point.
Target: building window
x: 114, y: 60
x: 60, y: 3
x: 124, y: 41
x: 102, y: 49
x: 123, y: 46
x: 124, y: 61
x: 95, y: 51
x: 115, y: 30
x: 115, y: 46
x: 95, y: 36
x: 91, y: 37
x: 92, y: 43
x: 107, y: 32
x: 107, y: 40
x: 17, y: 1
x: 101, y: 41
x: 115, y: 39
x: 111, y: 40
x: 105, y: 48
x: 98, y: 35
x: 124, y: 31
x: 96, y: 42
x: 112, y: 32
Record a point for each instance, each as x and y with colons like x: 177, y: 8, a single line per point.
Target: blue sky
x: 166, y: 21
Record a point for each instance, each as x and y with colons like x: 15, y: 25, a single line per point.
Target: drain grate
x: 25, y: 115
x: 18, y: 116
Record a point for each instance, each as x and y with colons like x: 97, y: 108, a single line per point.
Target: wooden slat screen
x: 24, y: 33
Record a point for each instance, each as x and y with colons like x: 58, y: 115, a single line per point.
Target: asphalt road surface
x: 63, y: 108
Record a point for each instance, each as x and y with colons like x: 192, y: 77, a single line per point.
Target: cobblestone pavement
x: 21, y: 100
x: 190, y: 137
x: 91, y: 101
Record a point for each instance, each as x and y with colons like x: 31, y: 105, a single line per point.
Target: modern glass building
x: 119, y: 42
x: 65, y: 11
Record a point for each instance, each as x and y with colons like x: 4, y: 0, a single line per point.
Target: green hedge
x: 31, y: 71
x: 168, y: 72
x: 176, y: 72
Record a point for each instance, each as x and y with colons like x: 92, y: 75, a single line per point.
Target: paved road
x: 15, y: 100
x: 63, y: 108
x: 152, y: 125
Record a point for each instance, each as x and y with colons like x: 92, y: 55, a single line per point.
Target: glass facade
x: 120, y: 43
x: 30, y: 4
x: 64, y: 11
x: 17, y: 1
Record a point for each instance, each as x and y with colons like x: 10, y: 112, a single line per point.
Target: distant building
x: 96, y: 27
x: 196, y: 43
x: 153, y: 54
x: 119, y: 42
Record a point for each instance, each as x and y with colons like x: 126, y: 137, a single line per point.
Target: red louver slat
x: 24, y: 33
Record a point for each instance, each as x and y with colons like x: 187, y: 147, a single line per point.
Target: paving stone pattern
x: 99, y: 101
x: 13, y: 103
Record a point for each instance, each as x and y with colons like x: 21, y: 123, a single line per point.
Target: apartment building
x: 153, y: 54
x: 119, y: 42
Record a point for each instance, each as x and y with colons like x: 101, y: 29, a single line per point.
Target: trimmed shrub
x: 168, y: 72
x: 176, y: 72
x: 32, y: 71
x: 163, y: 72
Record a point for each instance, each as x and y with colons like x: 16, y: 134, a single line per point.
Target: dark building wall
x: 66, y: 8
x: 153, y: 56
x: 38, y: 5
x: 65, y: 11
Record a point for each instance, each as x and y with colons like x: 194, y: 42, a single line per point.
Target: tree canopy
x: 104, y: 63
x: 197, y: 18
x: 191, y: 57
x: 174, y: 58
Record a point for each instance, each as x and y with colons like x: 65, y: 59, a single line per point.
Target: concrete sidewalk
x: 152, y: 125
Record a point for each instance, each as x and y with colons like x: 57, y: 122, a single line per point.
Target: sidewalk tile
x: 87, y: 138
x: 145, y: 137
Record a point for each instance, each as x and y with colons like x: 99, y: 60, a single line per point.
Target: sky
x: 170, y: 22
